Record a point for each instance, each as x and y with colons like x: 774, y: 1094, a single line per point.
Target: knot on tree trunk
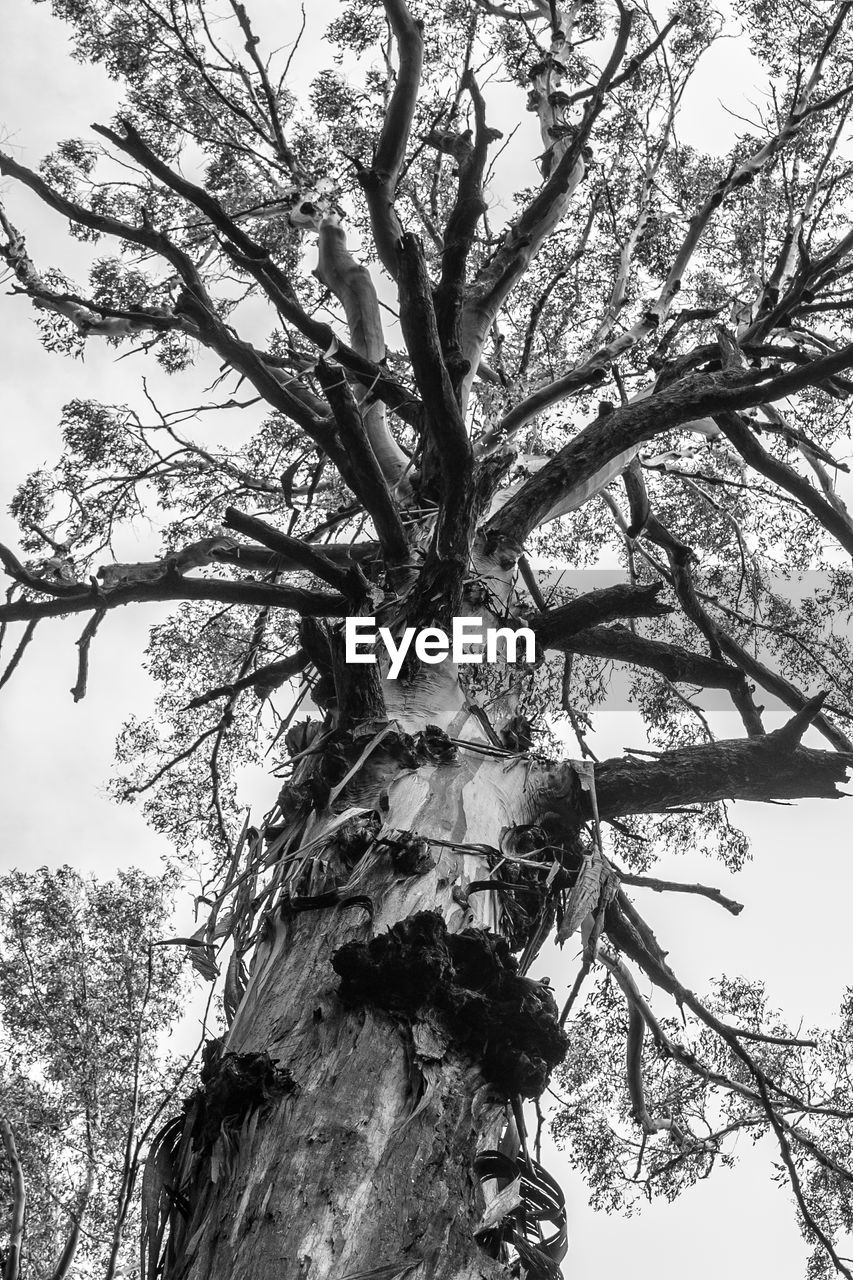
x: 232, y: 1086
x: 507, y: 1023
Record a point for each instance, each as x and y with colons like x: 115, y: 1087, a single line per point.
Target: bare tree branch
x: 677, y: 886
x: 173, y: 586
x: 379, y: 182
x: 606, y: 447
x: 348, y: 582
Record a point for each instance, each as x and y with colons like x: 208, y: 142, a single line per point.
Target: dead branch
x: 172, y: 586
x: 88, y: 634
x: 21, y: 648
x: 772, y: 767
x: 677, y: 886
x: 555, y: 628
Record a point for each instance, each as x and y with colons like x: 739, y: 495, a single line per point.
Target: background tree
x: 86, y: 1002
x: 416, y: 353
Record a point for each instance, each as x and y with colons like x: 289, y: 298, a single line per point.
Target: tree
x: 420, y: 354
x: 84, y: 995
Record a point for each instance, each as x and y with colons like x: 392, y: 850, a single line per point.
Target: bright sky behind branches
x: 57, y: 756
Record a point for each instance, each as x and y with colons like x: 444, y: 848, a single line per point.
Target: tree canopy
x: 455, y: 321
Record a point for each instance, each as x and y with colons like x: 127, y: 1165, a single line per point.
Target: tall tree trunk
x: 396, y: 1063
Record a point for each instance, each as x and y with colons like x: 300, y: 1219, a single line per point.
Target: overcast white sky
x: 56, y: 756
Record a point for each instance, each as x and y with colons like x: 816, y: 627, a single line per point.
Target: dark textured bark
x: 367, y: 1165
x: 619, y: 644
x: 360, y: 1162
x: 554, y: 628
x: 734, y: 769
x: 359, y: 466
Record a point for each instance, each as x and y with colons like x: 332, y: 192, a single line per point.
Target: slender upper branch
x: 526, y: 234
x: 448, y: 446
x: 297, y: 552
x: 380, y: 180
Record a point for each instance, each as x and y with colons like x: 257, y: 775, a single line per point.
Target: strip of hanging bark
x: 678, y: 886
x: 752, y: 451
x: 348, y: 582
x: 256, y: 259
x: 19, y: 1202
x: 173, y: 586
x: 358, y: 464
x: 83, y: 644
x: 772, y: 767
x: 379, y: 182
x: 695, y: 396
x: 556, y: 626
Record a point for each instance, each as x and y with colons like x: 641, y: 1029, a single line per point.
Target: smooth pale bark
x: 363, y: 1168
x: 367, y: 1168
